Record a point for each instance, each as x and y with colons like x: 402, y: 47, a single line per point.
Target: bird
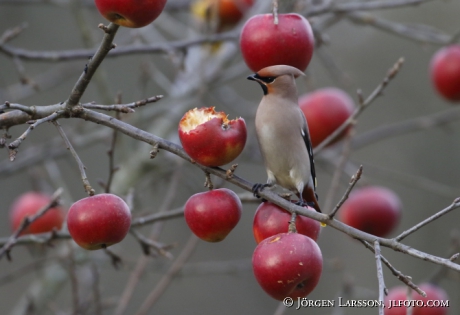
x: 283, y: 136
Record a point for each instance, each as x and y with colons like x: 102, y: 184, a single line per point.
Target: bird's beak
x: 255, y: 77
x: 252, y: 77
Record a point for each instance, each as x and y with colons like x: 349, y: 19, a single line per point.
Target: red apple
x: 375, y: 210
x: 29, y: 204
x: 445, y: 72
x: 130, y: 13
x: 287, y: 265
x: 211, y: 215
x: 433, y: 304
x: 227, y: 12
x: 326, y: 110
x: 99, y: 221
x: 231, y: 11
x: 210, y: 138
x: 264, y: 44
x: 271, y: 219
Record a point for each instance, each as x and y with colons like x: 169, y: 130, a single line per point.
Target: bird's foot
x: 257, y: 188
x: 300, y: 203
x: 303, y: 203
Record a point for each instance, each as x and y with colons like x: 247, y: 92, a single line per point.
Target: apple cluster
x: 285, y: 263
x: 94, y: 222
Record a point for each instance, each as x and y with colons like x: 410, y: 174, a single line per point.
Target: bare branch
x: 13, y: 146
x: 93, y: 64
x: 453, y: 206
x: 124, y: 108
x: 166, y: 215
x: 382, y: 288
x: 419, y: 33
x: 377, y: 92
x: 148, y: 244
x: 353, y: 181
x: 64, y: 55
x: 403, y: 278
x: 406, y: 126
x: 337, y: 7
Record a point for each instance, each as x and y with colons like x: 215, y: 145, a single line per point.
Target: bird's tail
x: 309, y: 196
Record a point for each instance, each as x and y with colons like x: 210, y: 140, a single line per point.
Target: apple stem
x: 208, y: 183
x: 292, y: 228
x: 81, y: 167
x: 275, y: 12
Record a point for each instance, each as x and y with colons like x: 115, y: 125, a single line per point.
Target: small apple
x: 433, y: 304
x: 211, y: 215
x: 231, y: 11
x: 445, y: 72
x: 375, y: 210
x: 271, y: 219
x: 130, y: 13
x: 210, y: 138
x: 290, y: 42
x: 227, y: 12
x: 326, y: 110
x: 99, y: 221
x: 29, y: 204
x: 287, y: 265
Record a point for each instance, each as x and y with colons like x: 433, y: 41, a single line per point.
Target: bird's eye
x: 268, y: 79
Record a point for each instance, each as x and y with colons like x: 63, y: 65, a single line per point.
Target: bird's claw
x: 258, y: 187
x: 302, y: 203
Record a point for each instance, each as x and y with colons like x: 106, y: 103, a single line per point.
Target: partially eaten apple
x: 210, y: 138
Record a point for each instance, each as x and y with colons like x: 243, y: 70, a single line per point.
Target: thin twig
x: 124, y: 108
x: 335, y: 182
x: 111, y: 153
x: 353, y: 181
x: 453, y: 206
x: 81, y: 167
x: 75, y: 54
x: 398, y: 274
x: 143, y: 260
x: 338, y: 7
x: 164, y: 282
x: 11, y: 33
x: 419, y: 33
x: 162, y: 215
x: 13, y: 146
x: 148, y: 244
x: 377, y: 92
x: 115, y: 259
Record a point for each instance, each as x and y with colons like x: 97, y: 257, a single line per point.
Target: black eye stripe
x: 265, y: 79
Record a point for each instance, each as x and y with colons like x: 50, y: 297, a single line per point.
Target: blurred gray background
x: 421, y: 167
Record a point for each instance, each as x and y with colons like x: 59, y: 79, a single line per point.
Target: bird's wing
x: 306, y: 139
